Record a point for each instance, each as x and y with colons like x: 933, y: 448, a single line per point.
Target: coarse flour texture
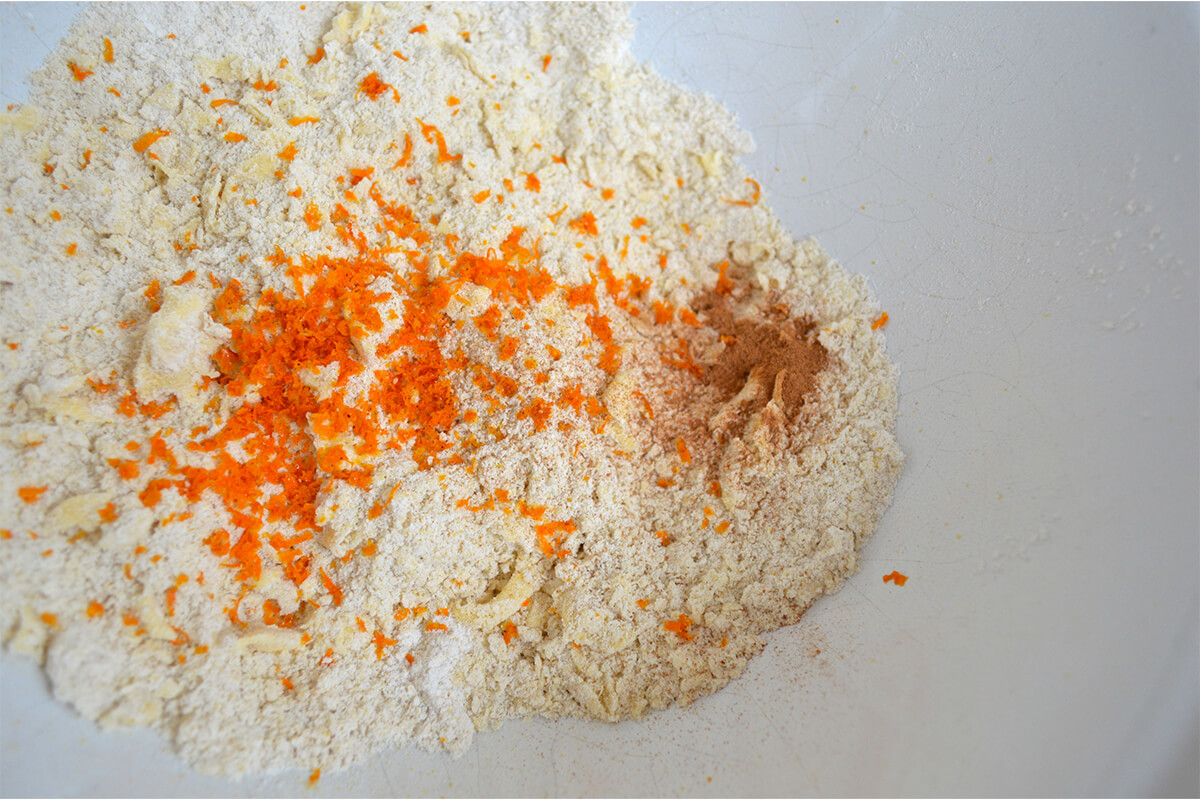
x: 372, y: 375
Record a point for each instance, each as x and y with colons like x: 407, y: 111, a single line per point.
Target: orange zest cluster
x: 78, y: 72
x: 373, y: 86
x: 142, y: 144
x: 679, y: 627
x: 343, y: 361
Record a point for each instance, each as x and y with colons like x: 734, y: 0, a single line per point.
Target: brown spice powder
x: 771, y: 341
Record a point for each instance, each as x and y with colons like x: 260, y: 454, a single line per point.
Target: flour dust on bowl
x: 376, y: 375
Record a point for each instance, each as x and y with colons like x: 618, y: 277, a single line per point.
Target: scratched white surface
x: 1021, y: 185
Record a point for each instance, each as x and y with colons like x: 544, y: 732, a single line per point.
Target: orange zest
x: 406, y: 155
x: 679, y: 627
x: 30, y: 494
x: 78, y: 72
x: 753, y: 199
x: 148, y: 139
x: 153, y: 294
x: 381, y: 642
x: 108, y: 512
x: 333, y: 589
x: 434, y: 136
x: 585, y: 224
x: 373, y: 87
x: 360, y: 174
x: 550, y: 536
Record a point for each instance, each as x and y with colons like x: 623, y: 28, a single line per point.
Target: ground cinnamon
x: 770, y: 339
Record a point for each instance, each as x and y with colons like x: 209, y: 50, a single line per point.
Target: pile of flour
x: 672, y: 444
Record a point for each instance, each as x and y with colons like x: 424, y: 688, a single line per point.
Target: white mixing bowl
x: 1020, y: 183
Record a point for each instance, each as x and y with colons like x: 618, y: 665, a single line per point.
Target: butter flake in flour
x: 377, y: 374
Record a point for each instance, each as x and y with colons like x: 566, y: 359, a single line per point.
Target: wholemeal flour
x: 376, y: 374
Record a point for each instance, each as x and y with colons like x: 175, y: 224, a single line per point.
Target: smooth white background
x: 1021, y: 185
